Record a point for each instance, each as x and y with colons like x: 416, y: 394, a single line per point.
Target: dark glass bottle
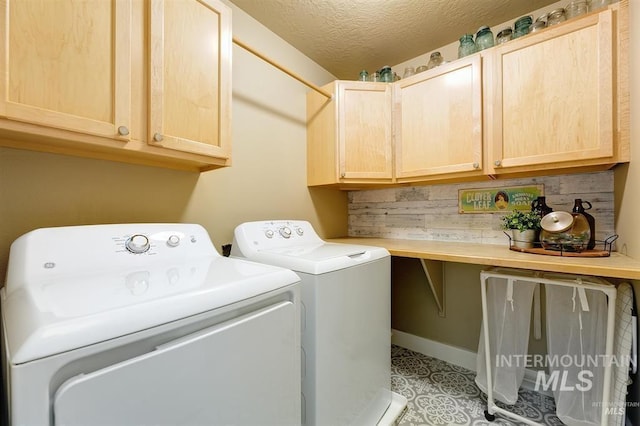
x: 539, y: 205
x: 578, y: 207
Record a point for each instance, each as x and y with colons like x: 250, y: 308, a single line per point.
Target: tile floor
x: 440, y: 393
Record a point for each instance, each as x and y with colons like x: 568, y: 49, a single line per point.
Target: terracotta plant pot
x: 523, y: 239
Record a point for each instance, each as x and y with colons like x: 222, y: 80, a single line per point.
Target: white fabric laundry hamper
x: 580, y: 338
x: 576, y: 332
x: 509, y: 316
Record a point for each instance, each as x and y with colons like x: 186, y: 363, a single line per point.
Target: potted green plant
x: 524, y: 226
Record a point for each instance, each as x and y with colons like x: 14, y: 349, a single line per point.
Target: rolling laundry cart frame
x: 570, y: 281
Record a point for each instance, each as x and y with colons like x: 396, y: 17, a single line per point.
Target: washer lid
x: 47, y: 317
x: 294, y: 244
x: 319, y: 258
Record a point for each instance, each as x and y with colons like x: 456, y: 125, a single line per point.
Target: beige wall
x: 627, y: 182
x: 267, y: 178
x: 414, y: 310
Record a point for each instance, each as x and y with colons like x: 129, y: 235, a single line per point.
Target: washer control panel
x: 274, y: 234
x: 287, y: 230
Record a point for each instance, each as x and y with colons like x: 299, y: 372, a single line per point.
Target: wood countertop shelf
x: 615, y: 266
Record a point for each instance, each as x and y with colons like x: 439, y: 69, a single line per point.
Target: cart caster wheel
x: 489, y: 417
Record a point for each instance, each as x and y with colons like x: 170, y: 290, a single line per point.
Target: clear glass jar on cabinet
x: 504, y: 36
x: 484, y: 38
x: 435, y: 60
x: 522, y: 26
x: 556, y: 16
x: 467, y: 46
x: 576, y: 8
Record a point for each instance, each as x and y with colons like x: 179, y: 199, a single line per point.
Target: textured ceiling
x: 346, y: 36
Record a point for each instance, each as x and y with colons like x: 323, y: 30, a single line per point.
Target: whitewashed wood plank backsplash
x: 431, y: 212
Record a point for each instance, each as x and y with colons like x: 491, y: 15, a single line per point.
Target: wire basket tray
x: 603, y: 248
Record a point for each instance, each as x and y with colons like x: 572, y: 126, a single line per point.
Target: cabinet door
x: 551, y: 98
x: 364, y: 131
x: 190, y: 76
x: 438, y: 120
x: 66, y: 64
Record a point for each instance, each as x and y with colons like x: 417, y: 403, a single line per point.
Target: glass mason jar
x: 386, y: 75
x: 522, y: 26
x: 421, y: 68
x: 467, y: 46
x: 556, y: 16
x: 576, y: 8
x: 364, y: 76
x: 597, y: 4
x: 484, y: 38
x: 435, y: 60
x: 543, y: 18
x: 504, y: 36
x: 537, y: 26
x: 408, y: 72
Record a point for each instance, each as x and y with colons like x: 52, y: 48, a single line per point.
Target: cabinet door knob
x: 342, y: 175
x: 157, y: 137
x: 497, y: 163
x: 476, y: 165
x: 123, y: 130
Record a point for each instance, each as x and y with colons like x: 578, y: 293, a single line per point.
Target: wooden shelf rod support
x: 434, y: 271
x: 282, y: 68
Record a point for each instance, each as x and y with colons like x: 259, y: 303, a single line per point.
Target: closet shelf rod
x: 281, y: 68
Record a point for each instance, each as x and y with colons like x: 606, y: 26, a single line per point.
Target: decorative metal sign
x: 497, y: 200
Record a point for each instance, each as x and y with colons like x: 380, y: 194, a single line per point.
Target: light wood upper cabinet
x: 146, y: 82
x: 190, y: 90
x: 553, y: 99
x: 349, y: 138
x: 438, y: 122
x: 66, y: 65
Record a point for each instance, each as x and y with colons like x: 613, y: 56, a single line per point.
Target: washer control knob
x: 285, y: 231
x: 137, y: 244
x: 300, y: 231
x: 269, y: 233
x: 173, y: 241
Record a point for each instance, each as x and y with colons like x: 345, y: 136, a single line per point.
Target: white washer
x: 147, y: 324
x: 346, y: 320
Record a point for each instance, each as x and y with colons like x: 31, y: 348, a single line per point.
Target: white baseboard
x: 453, y: 355
x: 529, y: 382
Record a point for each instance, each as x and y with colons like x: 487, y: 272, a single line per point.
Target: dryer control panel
x: 75, y: 250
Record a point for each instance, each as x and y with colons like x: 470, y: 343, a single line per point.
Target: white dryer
x: 346, y: 320
x: 146, y: 324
